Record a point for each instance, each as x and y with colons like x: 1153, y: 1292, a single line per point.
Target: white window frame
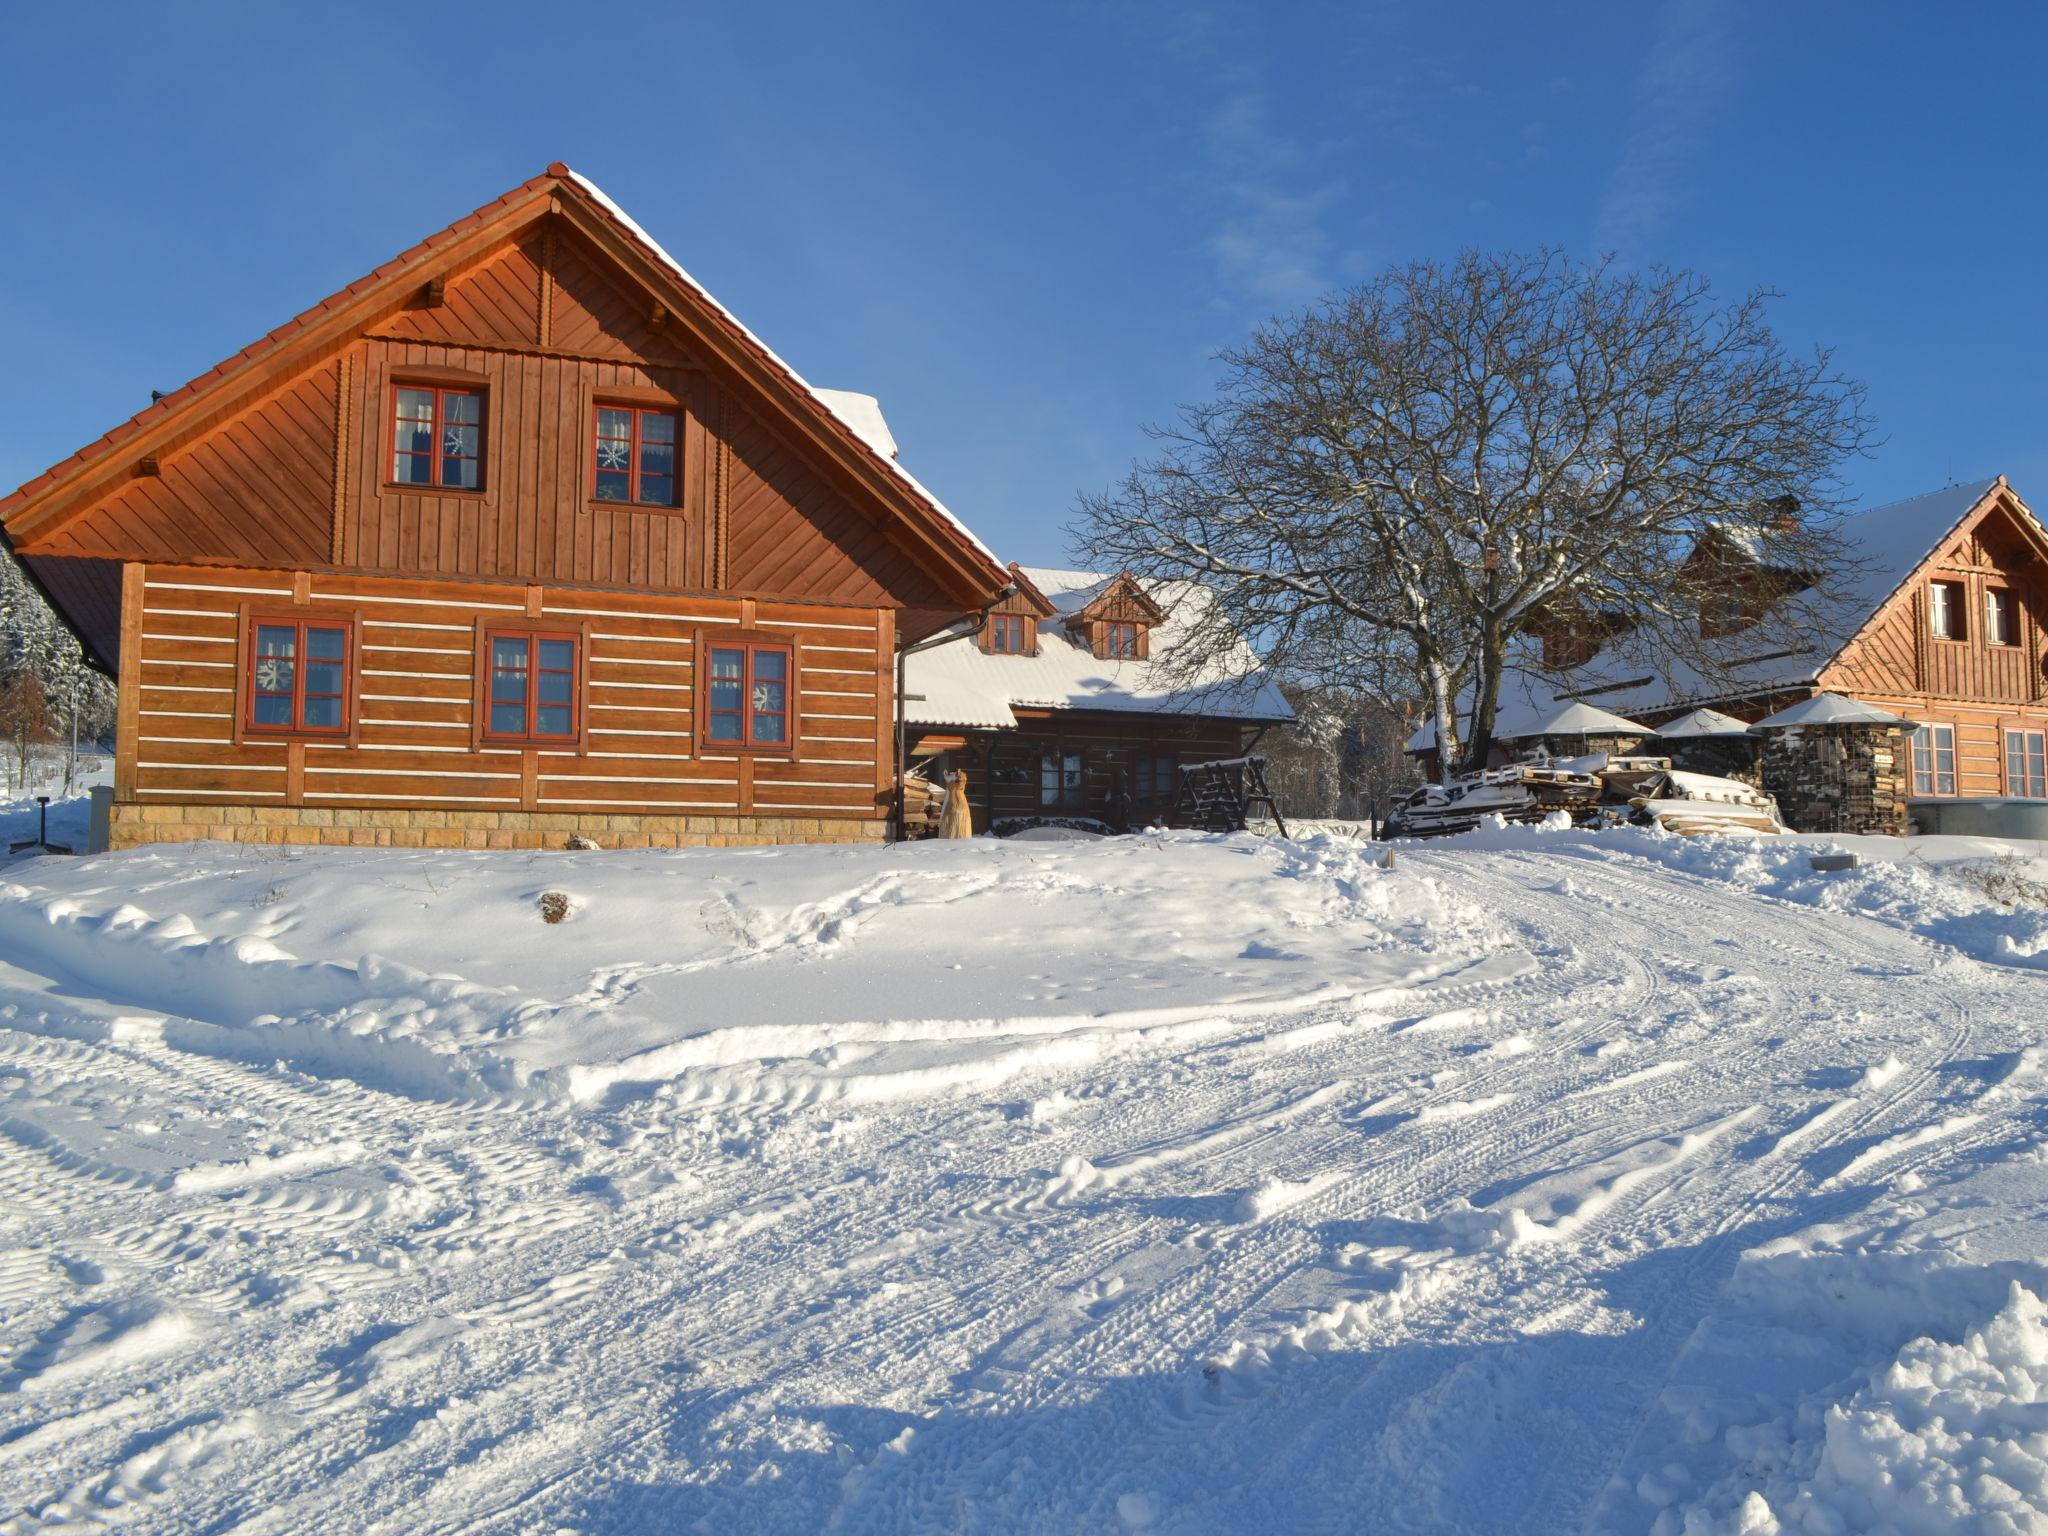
x: 1999, y: 628
x: 1944, y: 616
x: 1931, y: 781
x: 2026, y: 762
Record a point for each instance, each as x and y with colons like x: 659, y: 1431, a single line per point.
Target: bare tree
x: 1393, y: 486
x: 25, y: 721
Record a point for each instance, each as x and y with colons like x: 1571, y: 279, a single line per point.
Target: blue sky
x: 1028, y: 229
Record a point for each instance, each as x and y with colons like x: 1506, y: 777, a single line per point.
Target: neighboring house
x: 521, y: 536
x: 1944, y: 623
x: 1068, y: 705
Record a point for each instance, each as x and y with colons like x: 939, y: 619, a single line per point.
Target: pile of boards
x: 1592, y: 791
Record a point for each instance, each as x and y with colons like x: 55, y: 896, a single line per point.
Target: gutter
x: 903, y: 652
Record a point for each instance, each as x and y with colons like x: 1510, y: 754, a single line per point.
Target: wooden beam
x: 436, y: 292
x: 343, y: 402
x: 128, y: 697
x: 148, y: 465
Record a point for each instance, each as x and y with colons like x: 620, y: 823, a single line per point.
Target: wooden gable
x: 1025, y: 603
x: 1121, y: 601
x: 544, y: 303
x: 1997, y: 547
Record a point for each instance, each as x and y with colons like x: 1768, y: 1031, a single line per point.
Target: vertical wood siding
x: 1979, y: 688
x: 543, y: 329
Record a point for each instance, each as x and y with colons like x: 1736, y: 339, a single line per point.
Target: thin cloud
x: 1682, y: 80
x: 1269, y: 243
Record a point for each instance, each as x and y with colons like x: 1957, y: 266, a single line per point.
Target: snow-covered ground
x: 1544, y: 1181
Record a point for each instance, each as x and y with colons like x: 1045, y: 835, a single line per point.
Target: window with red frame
x: 636, y: 456
x: 1006, y: 635
x: 437, y: 437
x: 1120, y: 641
x: 297, y: 677
x: 746, y: 700
x: 531, y: 692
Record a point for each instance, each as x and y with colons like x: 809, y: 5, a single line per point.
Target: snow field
x: 1173, y: 1184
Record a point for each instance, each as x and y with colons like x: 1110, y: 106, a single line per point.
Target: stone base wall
x: 1839, y: 778
x: 130, y: 825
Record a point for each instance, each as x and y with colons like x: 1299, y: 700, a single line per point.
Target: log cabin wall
x: 414, y: 770
x: 1981, y: 688
x: 1012, y: 762
x: 270, y: 483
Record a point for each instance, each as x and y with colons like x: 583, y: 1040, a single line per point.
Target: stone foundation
x: 1839, y: 778
x: 131, y: 824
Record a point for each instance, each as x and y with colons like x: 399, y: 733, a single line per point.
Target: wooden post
x: 128, y: 702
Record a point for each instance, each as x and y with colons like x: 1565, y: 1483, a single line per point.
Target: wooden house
x: 1943, y: 623
x: 521, y: 536
x: 1070, y: 705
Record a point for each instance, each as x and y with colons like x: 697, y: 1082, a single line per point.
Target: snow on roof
x: 964, y: 686
x: 1702, y: 723
x: 824, y: 397
x: 1575, y: 719
x: 1785, y: 651
x: 1829, y: 709
x: 863, y: 413
x: 1893, y: 539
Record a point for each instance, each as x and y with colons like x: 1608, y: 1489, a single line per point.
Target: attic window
x: 1008, y: 635
x: 636, y: 456
x: 1998, y: 625
x: 1119, y: 641
x: 437, y: 437
x: 1945, y: 610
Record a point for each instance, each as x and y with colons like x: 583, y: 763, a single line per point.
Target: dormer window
x: 1119, y: 642
x: 1007, y: 635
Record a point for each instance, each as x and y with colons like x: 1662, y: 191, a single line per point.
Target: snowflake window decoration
x: 273, y: 674
x: 456, y: 446
x: 764, y: 697
x: 612, y: 454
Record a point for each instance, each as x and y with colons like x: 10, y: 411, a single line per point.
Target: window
x: 1998, y: 625
x: 1945, y: 609
x: 1060, y: 780
x: 1119, y: 641
x: 2026, y: 764
x: 1722, y: 613
x: 531, y: 692
x: 437, y: 437
x: 1934, y: 760
x: 636, y: 455
x: 1152, y: 778
x: 297, y: 677
x: 1006, y: 635
x: 746, y: 701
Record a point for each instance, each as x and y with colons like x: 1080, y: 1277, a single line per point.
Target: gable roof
x: 67, y: 488
x: 1122, y: 585
x: 964, y: 686
x: 1781, y: 652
